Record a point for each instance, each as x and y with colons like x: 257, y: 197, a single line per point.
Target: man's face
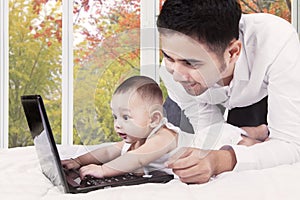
x: 191, y: 63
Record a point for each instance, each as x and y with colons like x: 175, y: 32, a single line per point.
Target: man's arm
x: 279, y: 69
x: 194, y: 165
x: 267, y: 154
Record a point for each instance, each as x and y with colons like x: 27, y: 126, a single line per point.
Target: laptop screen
x: 43, y: 139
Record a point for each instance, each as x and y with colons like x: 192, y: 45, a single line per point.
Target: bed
x: 21, y: 178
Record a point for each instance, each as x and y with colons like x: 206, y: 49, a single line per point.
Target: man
x: 247, y: 63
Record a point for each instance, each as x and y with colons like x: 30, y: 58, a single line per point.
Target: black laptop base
x: 90, y: 183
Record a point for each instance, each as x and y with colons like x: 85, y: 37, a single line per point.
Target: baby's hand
x: 71, y: 163
x: 92, y: 170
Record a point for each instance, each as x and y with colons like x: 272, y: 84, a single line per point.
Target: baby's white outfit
x: 211, y: 138
x: 184, y: 140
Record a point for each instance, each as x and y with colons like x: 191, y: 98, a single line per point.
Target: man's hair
x: 144, y: 86
x: 214, y: 23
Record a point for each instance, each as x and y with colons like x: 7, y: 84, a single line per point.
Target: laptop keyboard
x: 89, y: 181
x: 126, y: 179
x: 122, y: 180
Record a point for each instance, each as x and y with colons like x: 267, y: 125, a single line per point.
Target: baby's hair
x: 145, y: 87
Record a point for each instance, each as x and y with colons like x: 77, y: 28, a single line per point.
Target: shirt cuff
x: 245, y: 159
x: 263, y: 155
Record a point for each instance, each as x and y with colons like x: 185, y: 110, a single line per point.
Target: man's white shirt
x: 269, y: 64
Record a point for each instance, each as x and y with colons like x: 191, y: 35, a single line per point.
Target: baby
x: 148, y: 140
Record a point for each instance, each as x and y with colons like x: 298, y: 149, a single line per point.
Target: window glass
x: 106, y: 51
x: 281, y: 8
x: 34, y: 63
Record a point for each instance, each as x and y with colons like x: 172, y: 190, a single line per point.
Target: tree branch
x: 289, y: 5
x: 250, y: 7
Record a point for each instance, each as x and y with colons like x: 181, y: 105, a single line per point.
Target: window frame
x: 67, y: 74
x: 149, y: 56
x: 149, y: 40
x: 4, y: 74
x: 296, y: 15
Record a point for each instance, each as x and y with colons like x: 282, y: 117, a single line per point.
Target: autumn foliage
x: 281, y: 8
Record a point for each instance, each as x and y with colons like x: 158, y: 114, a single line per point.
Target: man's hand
x: 256, y: 134
x: 194, y: 165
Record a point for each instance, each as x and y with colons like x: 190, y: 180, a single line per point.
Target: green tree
x: 106, y: 56
x: 34, y: 63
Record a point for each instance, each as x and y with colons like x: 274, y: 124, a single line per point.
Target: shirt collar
x: 241, y: 69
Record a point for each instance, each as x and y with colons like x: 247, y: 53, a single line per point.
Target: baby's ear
x: 156, y: 117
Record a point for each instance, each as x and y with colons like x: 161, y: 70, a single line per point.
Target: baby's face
x: 131, y: 116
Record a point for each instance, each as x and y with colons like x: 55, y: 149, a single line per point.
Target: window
x: 113, y: 40
x: 106, y: 51
x: 35, y: 55
x: 60, y: 48
x: 74, y: 53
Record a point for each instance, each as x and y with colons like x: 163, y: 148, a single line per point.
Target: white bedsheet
x: 21, y: 178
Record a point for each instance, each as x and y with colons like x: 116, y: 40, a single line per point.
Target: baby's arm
x: 101, y: 155
x: 161, y: 143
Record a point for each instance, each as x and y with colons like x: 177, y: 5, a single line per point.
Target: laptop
x: 68, y: 180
